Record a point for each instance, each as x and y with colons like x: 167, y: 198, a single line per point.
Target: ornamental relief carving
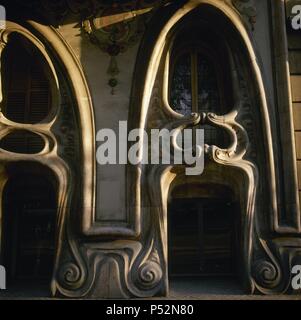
x: 248, y: 158
x: 233, y: 156
x: 139, y: 268
x: 137, y: 265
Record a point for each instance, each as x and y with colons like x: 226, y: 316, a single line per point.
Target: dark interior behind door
x: 202, y: 237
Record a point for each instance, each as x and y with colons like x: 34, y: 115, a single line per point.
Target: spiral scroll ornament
x: 70, y: 275
x: 266, y: 274
x: 149, y: 275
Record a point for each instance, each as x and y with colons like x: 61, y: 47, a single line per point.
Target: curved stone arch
x: 156, y: 57
x: 58, y: 54
x: 84, y: 103
x: 82, y: 95
x: 156, y: 185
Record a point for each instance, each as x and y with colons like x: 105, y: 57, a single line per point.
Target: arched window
x: 195, y: 85
x: 198, y: 80
x: 26, y: 82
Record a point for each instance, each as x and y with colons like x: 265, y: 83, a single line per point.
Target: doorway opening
x: 203, y: 234
x: 29, y: 212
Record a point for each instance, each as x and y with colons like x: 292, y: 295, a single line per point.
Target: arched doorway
x: 28, y: 229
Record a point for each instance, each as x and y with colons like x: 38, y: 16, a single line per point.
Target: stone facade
x: 111, y: 232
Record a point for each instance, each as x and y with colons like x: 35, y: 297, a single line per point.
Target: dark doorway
x: 28, y: 227
x: 203, y: 237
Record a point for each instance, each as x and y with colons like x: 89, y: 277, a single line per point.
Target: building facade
x: 70, y: 68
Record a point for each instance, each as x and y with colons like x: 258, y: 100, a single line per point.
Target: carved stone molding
x: 139, y: 268
x: 61, y: 151
x: 249, y: 158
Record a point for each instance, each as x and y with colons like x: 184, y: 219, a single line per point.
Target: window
x: 197, y: 83
x: 27, y: 89
x: 194, y: 85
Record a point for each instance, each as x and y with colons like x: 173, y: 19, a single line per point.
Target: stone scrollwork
x: 266, y: 274
x: 267, y: 271
x: 138, y: 265
x: 116, y: 271
x: 70, y: 275
x: 150, y: 274
x: 243, y: 156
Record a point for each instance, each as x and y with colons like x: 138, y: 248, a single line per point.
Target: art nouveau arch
x: 68, y: 132
x: 151, y: 108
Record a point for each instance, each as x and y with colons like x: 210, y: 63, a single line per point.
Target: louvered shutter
x: 27, y: 94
